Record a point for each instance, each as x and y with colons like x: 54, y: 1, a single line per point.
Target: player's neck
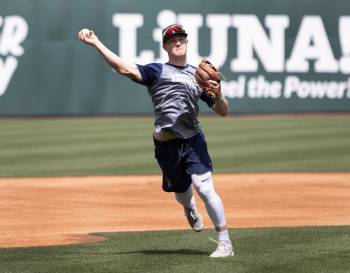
x: 178, y: 60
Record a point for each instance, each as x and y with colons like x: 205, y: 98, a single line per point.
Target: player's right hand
x: 87, y: 36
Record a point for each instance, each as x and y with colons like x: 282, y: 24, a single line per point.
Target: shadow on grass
x: 151, y: 252
x: 170, y: 252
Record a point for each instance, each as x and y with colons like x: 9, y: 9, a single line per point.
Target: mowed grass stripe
x: 104, y: 165
x: 64, y: 137
x: 36, y: 128
x: 256, y: 126
x: 124, y: 146
x: 323, y: 164
x: 286, y: 136
x: 97, y: 160
x: 77, y: 147
x: 279, y: 145
x: 302, y: 156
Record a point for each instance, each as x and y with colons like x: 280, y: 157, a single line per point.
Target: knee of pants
x: 203, y: 184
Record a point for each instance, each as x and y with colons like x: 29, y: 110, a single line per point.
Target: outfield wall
x: 277, y: 56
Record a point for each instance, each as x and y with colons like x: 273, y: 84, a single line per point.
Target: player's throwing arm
x: 122, y: 67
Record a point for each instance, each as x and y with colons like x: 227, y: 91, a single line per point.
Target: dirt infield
x: 54, y: 211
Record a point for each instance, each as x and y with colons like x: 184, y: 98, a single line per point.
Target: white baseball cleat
x: 194, y: 219
x: 224, y: 249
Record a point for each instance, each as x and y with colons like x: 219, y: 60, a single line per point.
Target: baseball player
x: 180, y: 146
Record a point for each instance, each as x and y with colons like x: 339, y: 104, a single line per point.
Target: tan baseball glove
x: 208, y: 78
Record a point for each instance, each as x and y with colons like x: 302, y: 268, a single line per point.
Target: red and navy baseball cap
x: 172, y: 30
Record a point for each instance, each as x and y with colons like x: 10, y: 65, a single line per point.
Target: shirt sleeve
x: 207, y: 99
x: 149, y: 72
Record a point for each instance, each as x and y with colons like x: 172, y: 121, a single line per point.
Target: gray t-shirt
x: 175, y: 95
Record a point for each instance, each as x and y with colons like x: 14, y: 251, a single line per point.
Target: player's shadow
x: 152, y: 252
x: 168, y: 252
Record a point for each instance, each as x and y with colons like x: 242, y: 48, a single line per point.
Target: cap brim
x: 165, y: 38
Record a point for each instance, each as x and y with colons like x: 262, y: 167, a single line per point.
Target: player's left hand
x: 208, y: 78
x: 213, y: 89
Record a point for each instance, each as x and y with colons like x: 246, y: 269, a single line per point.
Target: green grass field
x: 288, y: 250
x: 113, y: 146
x: 56, y: 147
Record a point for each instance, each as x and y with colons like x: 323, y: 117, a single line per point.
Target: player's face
x: 176, y: 46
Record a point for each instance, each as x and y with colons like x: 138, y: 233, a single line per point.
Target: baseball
x: 85, y: 32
